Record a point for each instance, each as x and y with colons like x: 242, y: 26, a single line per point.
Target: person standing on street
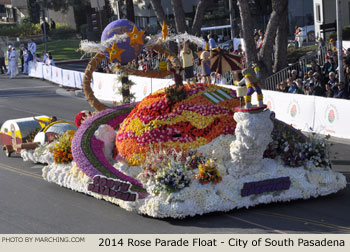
x: 21, y: 55
x: 32, y: 47
x: 25, y: 59
x: 13, y: 63
x: 2, y: 62
x: 8, y: 58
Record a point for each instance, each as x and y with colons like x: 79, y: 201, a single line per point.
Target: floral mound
x: 158, y: 123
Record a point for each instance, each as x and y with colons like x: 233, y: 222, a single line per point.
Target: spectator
x: 294, y: 74
x: 283, y: 87
x: 329, y: 91
x: 2, y: 62
x: 21, y: 55
x: 332, y: 80
x: 32, y: 46
x: 212, y: 43
x: 45, y: 56
x: 13, y: 63
x: 9, y: 50
x: 341, y: 92
x: 317, y: 88
x: 45, y: 25
x: 292, y: 86
x: 300, y: 88
x: 51, y: 61
x: 329, y: 66
x: 25, y: 59
x: 53, y: 25
x: 347, y: 57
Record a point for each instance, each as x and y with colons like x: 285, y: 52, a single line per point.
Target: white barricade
x: 36, y: 70
x: 308, y: 113
x: 332, y: 117
x: 78, y: 79
x: 68, y: 78
x: 105, y: 87
x: 56, y: 75
x: 47, y: 72
x: 297, y: 110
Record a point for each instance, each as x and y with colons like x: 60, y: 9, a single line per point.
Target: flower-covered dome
x: 156, y: 122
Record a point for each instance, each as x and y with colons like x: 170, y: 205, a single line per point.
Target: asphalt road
x: 28, y: 204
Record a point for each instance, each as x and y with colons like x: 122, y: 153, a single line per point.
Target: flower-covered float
x: 184, y: 150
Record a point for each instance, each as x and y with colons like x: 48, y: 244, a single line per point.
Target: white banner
x: 332, y: 117
x: 294, y: 109
x: 79, y: 76
x: 56, y: 75
x: 105, y: 87
x: 68, y: 78
x: 47, y: 72
x: 36, y: 70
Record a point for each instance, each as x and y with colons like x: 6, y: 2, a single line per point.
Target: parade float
x: 185, y: 149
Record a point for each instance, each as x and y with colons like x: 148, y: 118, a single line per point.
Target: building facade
x: 325, y: 13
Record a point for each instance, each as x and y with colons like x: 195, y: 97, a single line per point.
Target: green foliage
x: 62, y: 31
x: 294, y: 54
x: 22, y: 30
x: 62, y: 49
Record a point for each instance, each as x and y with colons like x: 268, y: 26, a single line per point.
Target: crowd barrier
x: 307, y: 113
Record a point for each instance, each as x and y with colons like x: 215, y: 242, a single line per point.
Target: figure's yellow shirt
x: 187, y: 59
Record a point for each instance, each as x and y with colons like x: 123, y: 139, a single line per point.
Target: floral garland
x: 183, y: 125
x: 208, y: 173
x: 295, y: 149
x: 87, y: 151
x: 62, y: 153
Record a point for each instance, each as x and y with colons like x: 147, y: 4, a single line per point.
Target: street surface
x: 28, y: 204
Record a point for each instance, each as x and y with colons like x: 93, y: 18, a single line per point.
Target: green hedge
x: 22, y: 30
x: 62, y: 31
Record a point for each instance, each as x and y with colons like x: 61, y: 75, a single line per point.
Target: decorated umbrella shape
x: 222, y: 61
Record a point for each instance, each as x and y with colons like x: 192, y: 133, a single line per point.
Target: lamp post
x: 340, y: 41
x: 231, y: 19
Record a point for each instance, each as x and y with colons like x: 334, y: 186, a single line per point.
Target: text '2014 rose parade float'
x: 183, y: 150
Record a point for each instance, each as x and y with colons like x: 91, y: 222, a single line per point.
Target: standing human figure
x: 21, y: 56
x: 187, y: 62
x: 32, y: 47
x: 205, y: 64
x: 53, y: 24
x: 2, y: 62
x: 212, y: 43
x: 13, y: 63
x: 9, y: 50
x: 25, y: 59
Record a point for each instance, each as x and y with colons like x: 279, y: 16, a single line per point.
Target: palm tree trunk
x: 281, y: 43
x: 179, y: 16
x: 198, y: 18
x: 130, y: 14
x: 159, y: 11
x: 247, y: 31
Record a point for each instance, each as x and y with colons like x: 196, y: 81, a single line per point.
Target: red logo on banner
x: 331, y: 116
x: 145, y: 90
x: 56, y: 73
x: 293, y: 110
x: 269, y: 104
x: 100, y: 84
x: 68, y: 76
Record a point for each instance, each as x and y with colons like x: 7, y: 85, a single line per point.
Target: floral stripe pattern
x: 88, y: 151
x: 184, y: 125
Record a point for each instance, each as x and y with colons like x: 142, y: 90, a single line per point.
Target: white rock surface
x: 253, y: 134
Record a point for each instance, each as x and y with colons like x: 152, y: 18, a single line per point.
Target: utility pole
x: 231, y: 19
x: 340, y: 41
